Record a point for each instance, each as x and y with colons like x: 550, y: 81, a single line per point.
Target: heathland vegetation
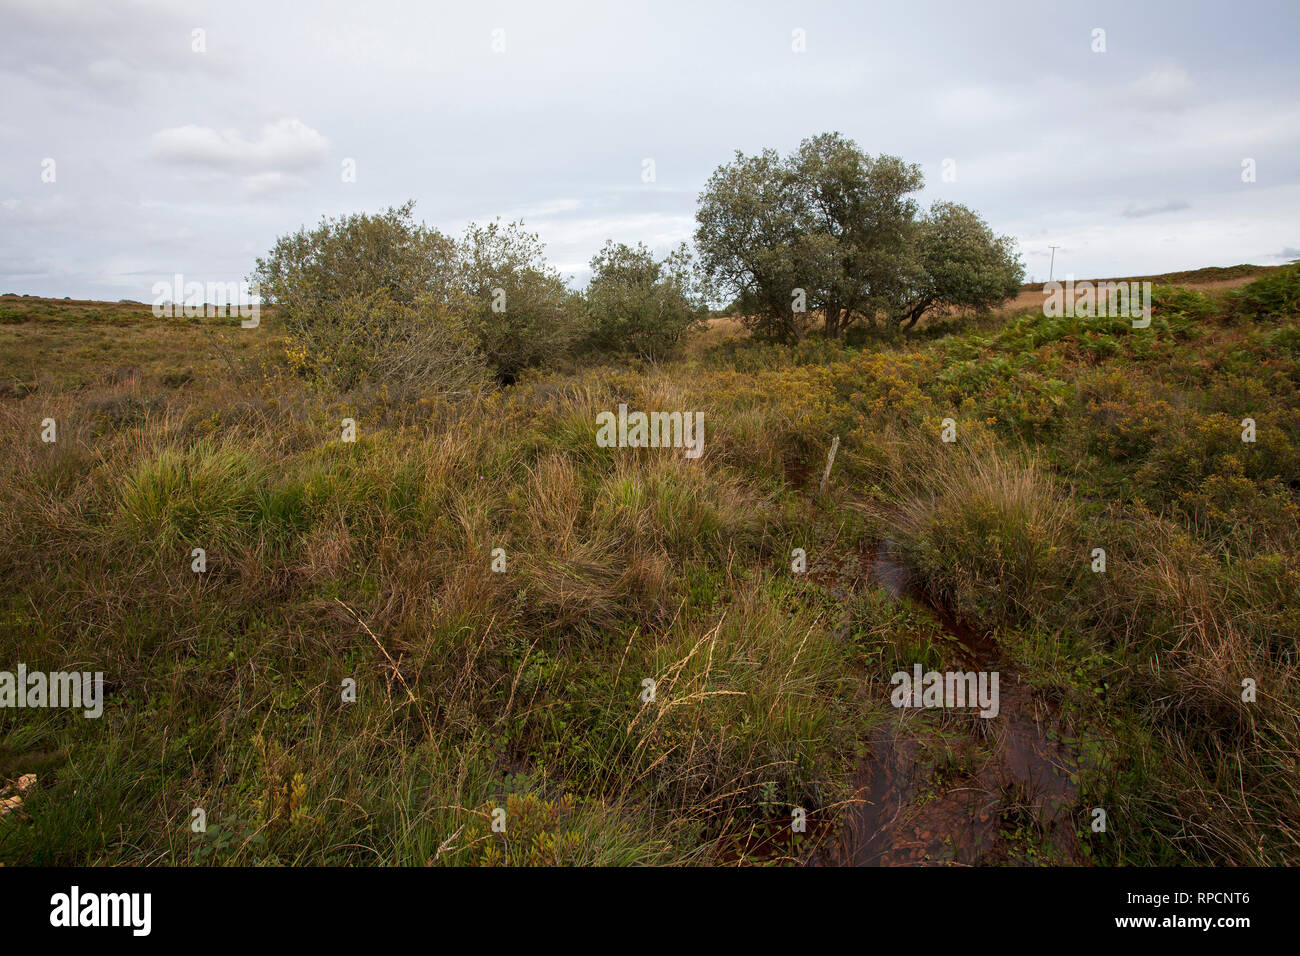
x: 497, y: 587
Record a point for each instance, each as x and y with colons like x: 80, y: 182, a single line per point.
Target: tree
x: 749, y: 241
x: 957, y: 263
x: 639, y: 305
x: 858, y: 211
x: 518, y: 308
x: 828, y: 220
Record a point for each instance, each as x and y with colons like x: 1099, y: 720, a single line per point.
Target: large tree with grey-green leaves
x: 830, y: 232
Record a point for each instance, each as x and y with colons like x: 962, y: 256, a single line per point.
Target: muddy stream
x: 960, y: 790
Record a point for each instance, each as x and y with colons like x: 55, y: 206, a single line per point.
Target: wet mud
x: 958, y: 789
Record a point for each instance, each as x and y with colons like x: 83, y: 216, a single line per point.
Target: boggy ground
x: 957, y: 789
x: 525, y: 690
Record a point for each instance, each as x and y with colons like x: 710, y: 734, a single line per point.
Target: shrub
x: 366, y: 298
x: 1172, y: 300
x: 1274, y: 294
x: 517, y: 308
x: 639, y: 305
x: 370, y: 338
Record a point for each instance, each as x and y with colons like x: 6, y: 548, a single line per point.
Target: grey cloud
x: 1169, y: 205
x: 225, y: 150
x: 100, y: 50
x: 1167, y: 87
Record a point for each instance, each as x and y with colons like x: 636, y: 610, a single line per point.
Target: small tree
x: 366, y: 298
x: 517, y: 307
x: 957, y: 263
x: 638, y: 305
x: 860, y: 218
x: 357, y: 254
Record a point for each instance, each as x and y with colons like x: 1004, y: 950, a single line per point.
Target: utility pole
x: 1053, y: 265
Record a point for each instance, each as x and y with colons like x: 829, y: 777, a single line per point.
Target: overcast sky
x: 167, y: 159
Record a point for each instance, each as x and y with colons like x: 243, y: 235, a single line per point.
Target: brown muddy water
x: 959, y: 789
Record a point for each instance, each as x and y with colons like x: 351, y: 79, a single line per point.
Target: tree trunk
x: 832, y: 322
x: 915, y: 313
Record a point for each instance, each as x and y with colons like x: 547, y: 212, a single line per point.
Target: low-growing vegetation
x: 524, y: 688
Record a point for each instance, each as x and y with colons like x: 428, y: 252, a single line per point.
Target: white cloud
x: 287, y: 144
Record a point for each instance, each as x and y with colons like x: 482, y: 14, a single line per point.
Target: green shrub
x: 366, y: 298
x: 371, y: 339
x: 638, y: 305
x: 1272, y: 295
x: 1169, y: 300
x: 517, y: 308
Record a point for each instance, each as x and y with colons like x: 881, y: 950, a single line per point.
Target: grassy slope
x: 371, y: 561
x: 1209, y: 275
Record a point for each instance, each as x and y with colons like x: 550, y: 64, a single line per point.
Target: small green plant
x: 281, y: 799
x: 537, y: 832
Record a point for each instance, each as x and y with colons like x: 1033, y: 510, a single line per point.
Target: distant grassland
x: 371, y: 561
x: 1208, y: 275
x: 80, y: 344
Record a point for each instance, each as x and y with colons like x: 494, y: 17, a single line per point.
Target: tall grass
x: 987, y: 529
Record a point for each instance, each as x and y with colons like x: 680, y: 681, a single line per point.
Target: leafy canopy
x: 831, y: 232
